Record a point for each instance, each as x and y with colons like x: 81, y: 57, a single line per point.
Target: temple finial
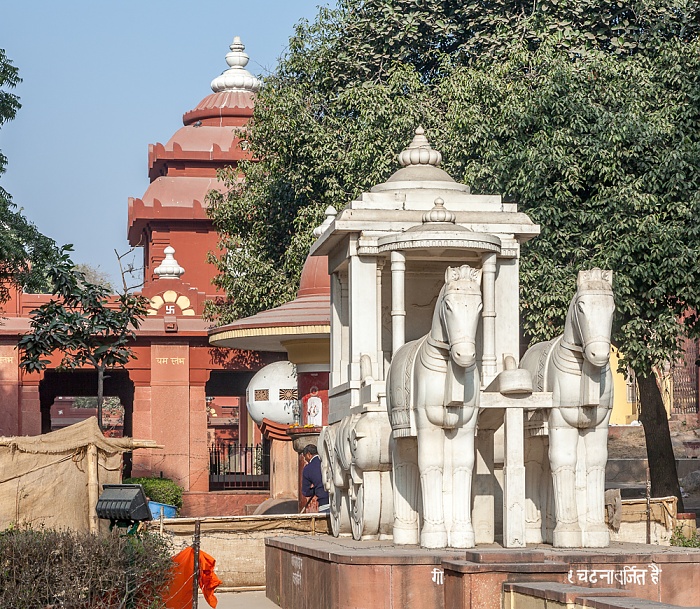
x: 169, y: 268
x: 419, y: 151
x: 236, y: 77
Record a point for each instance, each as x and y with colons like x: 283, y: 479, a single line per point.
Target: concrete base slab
x: 340, y: 573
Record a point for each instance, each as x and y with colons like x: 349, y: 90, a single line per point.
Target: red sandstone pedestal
x: 304, y: 573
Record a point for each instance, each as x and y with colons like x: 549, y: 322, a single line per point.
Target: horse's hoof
x: 567, y: 538
x: 462, y: 539
x: 435, y: 538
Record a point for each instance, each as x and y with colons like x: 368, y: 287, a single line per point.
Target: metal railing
x: 685, y: 381
x: 238, y: 466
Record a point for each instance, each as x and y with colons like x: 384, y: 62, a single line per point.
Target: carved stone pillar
x: 488, y: 282
x: 336, y: 330
x: 362, y: 277
x: 483, y: 488
x: 398, y: 301
x: 380, y: 350
x: 514, y: 480
x: 344, y: 328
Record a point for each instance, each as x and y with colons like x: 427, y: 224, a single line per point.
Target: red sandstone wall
x: 222, y: 503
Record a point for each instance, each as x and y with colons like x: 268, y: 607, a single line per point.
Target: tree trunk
x: 100, y: 394
x: 662, y: 461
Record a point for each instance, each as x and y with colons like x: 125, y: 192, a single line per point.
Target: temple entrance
x: 239, y: 458
x: 83, y: 383
x: 72, y: 386
x: 68, y: 410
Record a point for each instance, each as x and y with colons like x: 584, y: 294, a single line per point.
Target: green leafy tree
x: 24, y: 252
x: 587, y: 114
x: 84, y: 323
x: 612, y: 174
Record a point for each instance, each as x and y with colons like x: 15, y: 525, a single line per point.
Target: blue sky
x: 102, y: 80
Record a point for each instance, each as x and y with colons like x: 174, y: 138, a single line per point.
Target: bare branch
x: 128, y: 268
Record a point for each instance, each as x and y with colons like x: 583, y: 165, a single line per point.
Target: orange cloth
x: 208, y: 581
x: 179, y: 595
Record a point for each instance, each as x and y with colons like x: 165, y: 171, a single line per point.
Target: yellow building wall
x: 625, y: 405
x: 626, y: 397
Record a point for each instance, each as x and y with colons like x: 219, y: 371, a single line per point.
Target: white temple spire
x: 236, y: 77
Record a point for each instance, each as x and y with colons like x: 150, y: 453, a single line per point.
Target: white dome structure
x: 272, y: 393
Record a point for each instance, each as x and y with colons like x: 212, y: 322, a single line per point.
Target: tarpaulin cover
x: 44, y: 479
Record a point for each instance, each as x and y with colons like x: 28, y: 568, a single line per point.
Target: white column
x: 514, y: 480
x: 380, y: 350
x: 362, y: 275
x: 484, y: 505
x: 336, y: 330
x: 344, y: 327
x: 488, y: 286
x: 398, y: 301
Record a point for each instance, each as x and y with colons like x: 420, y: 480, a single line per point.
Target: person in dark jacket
x: 311, y: 479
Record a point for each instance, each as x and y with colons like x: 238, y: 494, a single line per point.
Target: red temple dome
x: 315, y: 280
x: 308, y: 316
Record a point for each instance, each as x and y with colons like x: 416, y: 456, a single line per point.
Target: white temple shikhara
x: 424, y: 350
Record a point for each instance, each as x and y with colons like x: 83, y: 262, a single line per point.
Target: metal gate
x: 238, y: 466
x: 685, y: 381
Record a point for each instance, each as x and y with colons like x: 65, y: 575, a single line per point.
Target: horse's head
x: 458, y: 310
x: 592, y: 313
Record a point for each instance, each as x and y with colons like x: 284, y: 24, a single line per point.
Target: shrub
x: 45, y: 568
x: 679, y: 539
x: 161, y: 490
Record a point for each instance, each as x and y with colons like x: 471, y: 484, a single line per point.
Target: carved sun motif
x: 169, y: 299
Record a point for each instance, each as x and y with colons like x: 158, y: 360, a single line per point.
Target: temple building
x: 179, y: 391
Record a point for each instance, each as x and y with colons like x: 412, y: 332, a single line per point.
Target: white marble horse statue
x: 433, y: 389
x: 575, y: 368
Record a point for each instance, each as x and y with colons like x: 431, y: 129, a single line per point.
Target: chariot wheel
x: 331, y: 472
x: 365, y: 506
x: 357, y: 521
x: 340, y: 513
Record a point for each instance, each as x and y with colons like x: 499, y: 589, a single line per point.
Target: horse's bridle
x: 577, y: 326
x: 459, y: 339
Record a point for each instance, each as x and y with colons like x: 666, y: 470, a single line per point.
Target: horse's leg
x: 404, y: 456
x: 563, y: 442
x: 596, y: 534
x: 431, y: 442
x: 462, y: 449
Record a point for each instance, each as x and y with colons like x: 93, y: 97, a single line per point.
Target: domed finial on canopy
x: 236, y: 78
x: 169, y: 268
x: 419, y: 151
x: 438, y: 214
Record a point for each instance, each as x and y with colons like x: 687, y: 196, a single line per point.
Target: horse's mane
x: 594, y: 280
